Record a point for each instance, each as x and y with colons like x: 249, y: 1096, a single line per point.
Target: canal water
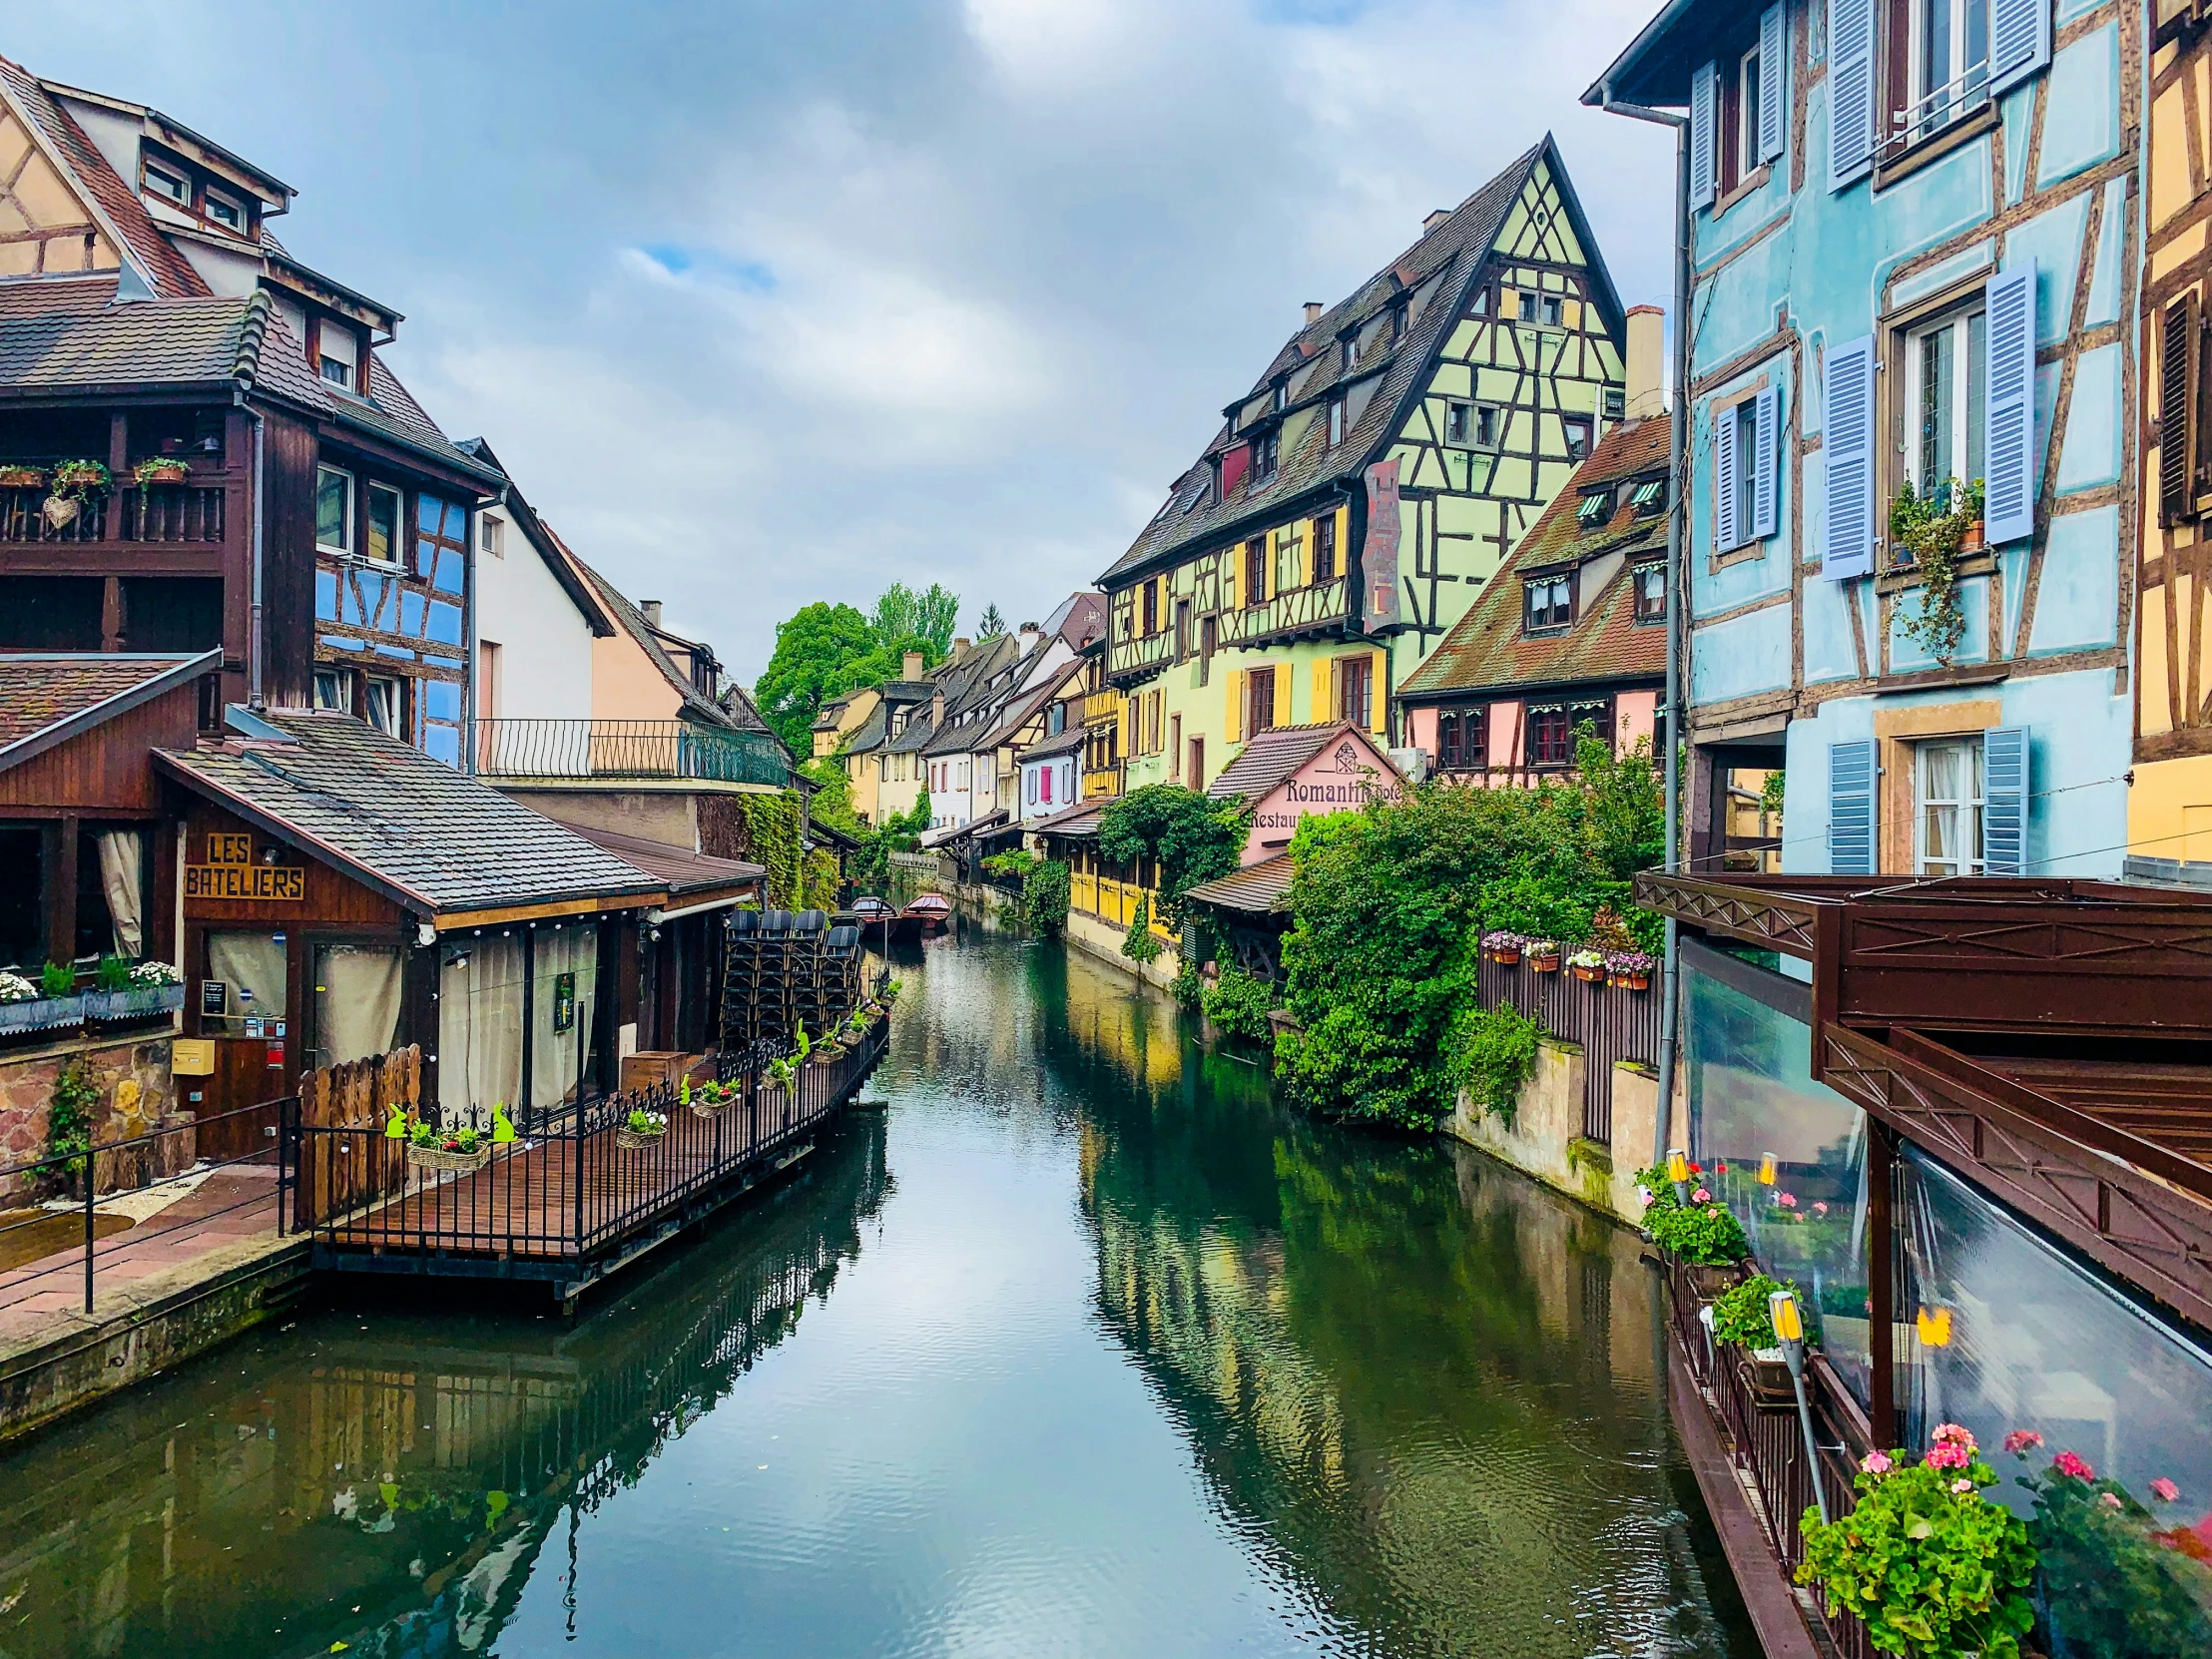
x: 1079, y: 1345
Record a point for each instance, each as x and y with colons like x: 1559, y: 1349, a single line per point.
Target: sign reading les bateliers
x: 231, y: 874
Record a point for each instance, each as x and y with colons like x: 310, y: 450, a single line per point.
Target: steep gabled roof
x: 1271, y: 758
x: 47, y: 698
x: 1486, y: 647
x: 1437, y: 276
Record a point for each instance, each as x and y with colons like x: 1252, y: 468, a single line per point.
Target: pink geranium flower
x: 1788, y: 1201
x: 2068, y: 1462
x: 1948, y: 1456
x: 1701, y: 1196
x: 1961, y: 1486
x: 1952, y: 1433
x: 2021, y: 1442
x: 2111, y: 1500
x: 1820, y: 1207
x: 2164, y: 1490
x: 1877, y: 1463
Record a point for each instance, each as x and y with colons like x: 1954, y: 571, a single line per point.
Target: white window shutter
x: 1766, y: 407
x: 1851, y: 91
x: 1727, y: 533
x: 2005, y: 795
x: 2019, y: 41
x: 1704, y: 123
x: 2008, y: 433
x: 1846, y: 442
x: 1851, y: 815
x: 1774, y: 83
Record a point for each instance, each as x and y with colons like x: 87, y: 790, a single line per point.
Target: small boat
x: 869, y: 911
x: 928, y: 915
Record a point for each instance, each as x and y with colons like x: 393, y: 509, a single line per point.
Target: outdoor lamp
x: 1767, y: 1162
x: 1789, y: 1330
x: 1678, y: 1172
x: 1933, y: 1326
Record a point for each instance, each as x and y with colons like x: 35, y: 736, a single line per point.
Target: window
x: 492, y: 535
x: 1347, y: 352
x: 1578, y: 430
x: 1949, y: 823
x: 1488, y: 425
x: 1151, y: 591
x: 1545, y: 309
x: 333, y: 510
x: 1256, y: 572
x: 1649, y: 498
x: 166, y: 183
x: 381, y: 530
x: 1289, y: 557
x: 1459, y: 426
x: 1946, y: 371
x: 1594, y: 509
x: 1743, y: 150
x: 1651, y: 593
x: 1152, y: 722
x: 1616, y: 403
x: 1463, y: 738
x: 487, y: 679
x: 1550, y: 737
x: 1547, y: 601
x: 226, y: 213
x: 1324, y: 548
x: 386, y: 707
x: 1259, y: 712
x: 1597, y: 715
x: 337, y: 353
x: 334, y: 690
x: 1266, y: 451
x: 1741, y: 483
x: 1281, y: 395
x: 1356, y: 691
x: 1949, y: 64
x: 1335, y: 422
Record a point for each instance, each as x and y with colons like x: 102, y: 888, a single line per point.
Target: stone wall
x: 137, y: 1094
x: 1545, y: 1138
x: 1101, y: 938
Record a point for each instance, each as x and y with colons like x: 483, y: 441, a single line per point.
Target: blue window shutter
x: 1851, y: 91
x: 1764, y: 410
x: 1846, y: 440
x: 1728, y: 535
x: 2004, y: 800
x: 2008, y: 409
x: 1704, y: 110
x: 1774, y: 81
x: 2019, y: 41
x: 1851, y: 777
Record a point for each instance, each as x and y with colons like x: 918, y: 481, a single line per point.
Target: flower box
x: 1543, y: 961
x: 445, y: 1158
x: 42, y: 1014
x: 163, y: 471
x: 1709, y: 1280
x: 22, y: 477
x: 1506, y: 955
x: 139, y: 1002
x: 1630, y: 979
x: 1588, y: 975
x: 1767, y: 1374
x: 638, y: 1140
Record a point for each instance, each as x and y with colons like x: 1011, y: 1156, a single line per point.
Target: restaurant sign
x: 1349, y: 776
x: 232, y: 876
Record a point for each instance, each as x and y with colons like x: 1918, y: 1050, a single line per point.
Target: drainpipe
x: 1677, y: 542
x: 253, y: 698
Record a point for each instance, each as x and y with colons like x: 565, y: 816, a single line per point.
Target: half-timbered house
x: 1359, y: 494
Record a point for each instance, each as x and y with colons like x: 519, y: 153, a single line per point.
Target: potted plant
x: 641, y: 1129
x: 1741, y: 1317
x: 1704, y: 1235
x: 1928, y: 533
x: 1930, y: 1565
x: 22, y: 477
x: 783, y: 1072
x: 890, y: 990
x: 1542, y: 956
x: 1587, y: 966
x: 1629, y: 970
x: 429, y: 1147
x: 160, y: 469
x: 710, y: 1099
x: 74, y: 481
x: 1502, y: 948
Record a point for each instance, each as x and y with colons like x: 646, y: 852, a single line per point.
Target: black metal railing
x: 55, y: 1249
x: 1612, y: 1022
x: 628, y: 748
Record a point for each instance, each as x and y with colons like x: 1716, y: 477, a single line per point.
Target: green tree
x: 990, y: 624
x: 904, y: 620
x: 821, y: 653
x: 1190, y: 838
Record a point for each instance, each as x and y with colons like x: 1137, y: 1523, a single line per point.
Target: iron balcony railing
x: 628, y: 748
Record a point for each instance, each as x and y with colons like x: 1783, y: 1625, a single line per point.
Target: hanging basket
x: 1506, y: 956
x: 438, y: 1157
x: 1633, y: 981
x: 1588, y: 975
x: 1541, y: 963
x: 637, y: 1140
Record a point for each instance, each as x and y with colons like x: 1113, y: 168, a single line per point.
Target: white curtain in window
x: 480, y: 1023
x: 122, y: 880
x: 356, y: 1001
x: 252, y: 966
x: 560, y: 1025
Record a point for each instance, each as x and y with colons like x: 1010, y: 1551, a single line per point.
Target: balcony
x: 626, y: 749
x: 159, y: 513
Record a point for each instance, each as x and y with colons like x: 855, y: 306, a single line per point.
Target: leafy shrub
x: 1044, y: 896
x: 2114, y: 1583
x: 113, y: 975
x: 1702, y: 1231
x: 1138, y: 944
x: 68, y: 1112
x: 1930, y: 1566
x: 57, y: 979
x: 1239, y: 1004
x: 1741, y: 1315
x: 1014, y: 862
x: 1496, y: 1055
x: 1190, y: 838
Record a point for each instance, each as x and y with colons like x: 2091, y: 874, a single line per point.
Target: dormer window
x: 338, y: 353
x: 1650, y: 498
x: 226, y: 213
x: 1594, y: 509
x: 1651, y: 593
x: 1547, y: 601
x: 175, y: 186
x: 1347, y: 352
x: 1266, y: 451
x: 1281, y: 395
x: 1335, y: 422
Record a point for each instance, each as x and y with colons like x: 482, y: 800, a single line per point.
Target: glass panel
x: 375, y: 600
x: 480, y: 1023
x: 2005, y: 1332
x: 452, y: 572
x: 382, y: 533
x: 1935, y: 350
x: 356, y: 1001
x: 326, y: 596
x: 251, y: 968
x: 1975, y: 376
x: 383, y: 706
x: 565, y: 972
x: 333, y: 492
x: 410, y: 612
x: 441, y: 700
x: 1787, y: 1154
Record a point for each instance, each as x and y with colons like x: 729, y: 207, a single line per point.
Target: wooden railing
x: 127, y: 513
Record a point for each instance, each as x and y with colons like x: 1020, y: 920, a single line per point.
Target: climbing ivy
x: 68, y: 1112
x: 771, y: 841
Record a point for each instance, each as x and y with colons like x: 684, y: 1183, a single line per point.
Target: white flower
x: 15, y: 989
x: 156, y: 973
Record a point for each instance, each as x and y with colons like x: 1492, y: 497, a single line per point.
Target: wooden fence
x: 1611, y: 1022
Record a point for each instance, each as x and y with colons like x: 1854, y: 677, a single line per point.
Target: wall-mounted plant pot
x: 438, y: 1158
x: 1633, y: 981
x: 163, y: 472
x: 1710, y: 1280
x: 139, y: 1002
x: 1588, y: 975
x: 1769, y: 1375
x: 22, y: 477
x: 1972, y: 541
x: 42, y: 1014
x: 1543, y: 964
x: 1506, y: 958
x: 637, y: 1140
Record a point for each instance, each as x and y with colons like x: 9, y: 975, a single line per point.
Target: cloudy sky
x: 766, y: 303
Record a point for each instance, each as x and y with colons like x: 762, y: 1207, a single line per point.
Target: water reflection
x: 396, y: 1490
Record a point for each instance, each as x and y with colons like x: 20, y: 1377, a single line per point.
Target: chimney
x: 1434, y: 220
x: 1313, y: 308
x: 1647, y: 327
x: 960, y: 647
x: 652, y: 610
x: 937, y: 708
x: 1027, y: 637
x: 911, y: 668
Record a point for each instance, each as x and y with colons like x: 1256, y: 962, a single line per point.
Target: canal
x: 1078, y: 1346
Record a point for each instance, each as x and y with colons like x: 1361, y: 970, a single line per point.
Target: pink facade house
x: 1572, y: 629
x: 1290, y: 771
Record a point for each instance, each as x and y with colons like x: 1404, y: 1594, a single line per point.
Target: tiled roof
x: 1274, y: 756
x: 391, y: 411
x: 1439, y: 271
x: 743, y: 717
x: 1067, y: 743
x: 174, y: 341
x: 433, y: 840
x: 42, y: 692
x: 1080, y: 823
x: 168, y: 270
x: 677, y: 869
x: 1486, y: 647
x: 1256, y: 889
